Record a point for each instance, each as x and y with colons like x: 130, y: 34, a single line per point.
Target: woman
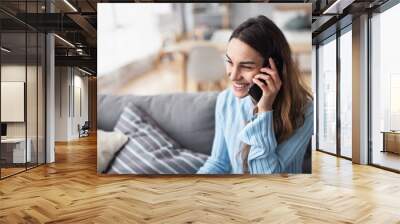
x: 271, y: 135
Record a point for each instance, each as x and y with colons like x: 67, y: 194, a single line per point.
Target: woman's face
x: 242, y: 64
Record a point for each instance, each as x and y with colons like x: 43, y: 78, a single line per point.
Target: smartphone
x: 255, y: 91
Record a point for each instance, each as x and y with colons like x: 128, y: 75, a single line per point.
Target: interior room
x: 385, y: 87
x: 27, y: 95
x: 50, y: 80
x: 165, y: 62
x: 333, y: 55
x: 22, y: 100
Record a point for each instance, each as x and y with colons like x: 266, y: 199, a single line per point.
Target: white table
x: 18, y: 145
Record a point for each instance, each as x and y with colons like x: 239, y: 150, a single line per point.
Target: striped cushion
x: 149, y: 150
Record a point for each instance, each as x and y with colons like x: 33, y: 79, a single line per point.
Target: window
x: 23, y: 76
x: 346, y: 94
x: 385, y: 89
x: 327, y: 96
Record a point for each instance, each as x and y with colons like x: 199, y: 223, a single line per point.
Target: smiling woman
x: 247, y: 60
x: 261, y: 124
x: 270, y: 132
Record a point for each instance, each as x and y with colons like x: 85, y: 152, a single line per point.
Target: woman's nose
x: 234, y: 74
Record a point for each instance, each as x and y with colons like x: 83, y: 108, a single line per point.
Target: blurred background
x: 147, y: 49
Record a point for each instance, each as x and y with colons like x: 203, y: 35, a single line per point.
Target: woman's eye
x: 228, y: 61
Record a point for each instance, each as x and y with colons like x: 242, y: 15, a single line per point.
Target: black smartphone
x: 255, y: 91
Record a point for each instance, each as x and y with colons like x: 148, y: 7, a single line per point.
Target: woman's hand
x: 270, y: 89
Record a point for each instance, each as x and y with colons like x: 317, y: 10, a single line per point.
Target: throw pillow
x: 108, y: 143
x: 149, y: 149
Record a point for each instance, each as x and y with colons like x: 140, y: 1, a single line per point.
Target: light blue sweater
x: 265, y: 156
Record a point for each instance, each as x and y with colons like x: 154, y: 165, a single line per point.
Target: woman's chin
x: 239, y: 93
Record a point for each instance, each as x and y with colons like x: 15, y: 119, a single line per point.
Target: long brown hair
x: 289, y: 106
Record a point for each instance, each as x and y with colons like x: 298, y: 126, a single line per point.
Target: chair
x: 167, y: 40
x: 205, y: 65
x: 84, y: 130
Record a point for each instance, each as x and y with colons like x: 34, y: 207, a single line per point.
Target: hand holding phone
x: 255, y: 91
x: 266, y: 85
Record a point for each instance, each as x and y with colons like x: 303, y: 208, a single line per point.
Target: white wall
x: 118, y: 41
x: 61, y: 103
x: 14, y: 72
x: 82, y: 82
x: 68, y: 83
x: 241, y: 12
x: 80, y: 85
x: 33, y: 126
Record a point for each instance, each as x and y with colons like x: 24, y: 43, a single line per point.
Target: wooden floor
x: 164, y: 78
x: 70, y: 191
x: 387, y: 159
x: 10, y: 171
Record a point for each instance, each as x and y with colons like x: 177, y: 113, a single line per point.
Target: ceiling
x: 332, y: 15
x: 77, y: 25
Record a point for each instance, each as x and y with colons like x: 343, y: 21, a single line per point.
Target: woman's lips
x: 240, y: 86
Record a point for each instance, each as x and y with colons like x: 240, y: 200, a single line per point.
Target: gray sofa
x: 186, y: 117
